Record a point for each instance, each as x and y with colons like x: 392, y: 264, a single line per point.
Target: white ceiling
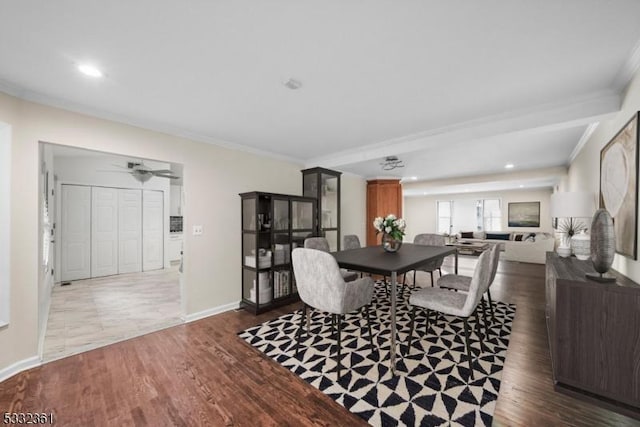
x: 474, y: 84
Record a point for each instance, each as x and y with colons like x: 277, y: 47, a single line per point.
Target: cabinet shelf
x: 271, y: 285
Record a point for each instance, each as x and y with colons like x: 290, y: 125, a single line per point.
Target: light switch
x: 197, y: 230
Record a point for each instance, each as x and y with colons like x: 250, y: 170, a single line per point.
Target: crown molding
x: 39, y: 98
x: 547, y: 117
x: 628, y: 70
x: 583, y: 140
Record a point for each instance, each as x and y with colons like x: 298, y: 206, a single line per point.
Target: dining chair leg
x: 431, y: 273
x: 479, y: 331
x: 426, y: 322
x: 411, y: 326
x: 440, y: 271
x: 333, y: 325
x: 339, y: 321
x: 366, y: 312
x: 484, y: 316
x: 468, y: 345
x: 493, y: 318
x: 414, y: 278
x: 302, y: 317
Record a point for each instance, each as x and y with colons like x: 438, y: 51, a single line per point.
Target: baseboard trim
x: 18, y: 367
x: 211, y: 312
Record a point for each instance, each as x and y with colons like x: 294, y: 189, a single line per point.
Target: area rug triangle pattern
x: 432, y: 385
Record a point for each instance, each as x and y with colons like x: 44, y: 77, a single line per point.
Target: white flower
x: 390, y: 224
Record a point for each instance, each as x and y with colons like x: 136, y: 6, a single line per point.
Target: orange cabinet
x: 384, y: 197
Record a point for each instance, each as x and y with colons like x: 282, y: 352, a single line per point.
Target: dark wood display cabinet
x: 594, y: 335
x: 272, y: 226
x: 324, y: 186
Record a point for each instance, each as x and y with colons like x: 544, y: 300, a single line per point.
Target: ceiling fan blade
x: 111, y: 171
x: 166, y: 176
x: 120, y: 166
x: 167, y: 171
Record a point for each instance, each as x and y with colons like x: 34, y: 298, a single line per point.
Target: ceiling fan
x: 144, y: 173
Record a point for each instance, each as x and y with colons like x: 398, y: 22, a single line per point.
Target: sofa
x: 515, y: 246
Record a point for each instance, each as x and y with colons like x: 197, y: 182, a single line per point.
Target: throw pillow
x: 530, y: 238
x: 518, y: 238
x: 466, y: 234
x: 498, y: 236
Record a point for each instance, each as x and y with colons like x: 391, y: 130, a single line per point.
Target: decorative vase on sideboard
x: 581, y: 244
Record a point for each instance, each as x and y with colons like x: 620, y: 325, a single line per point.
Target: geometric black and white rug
x: 431, y: 386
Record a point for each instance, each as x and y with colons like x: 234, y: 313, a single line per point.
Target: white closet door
x: 104, y: 231
x: 152, y: 230
x: 130, y: 231
x: 75, y: 233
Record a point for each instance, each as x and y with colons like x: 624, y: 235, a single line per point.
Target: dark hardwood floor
x: 202, y: 374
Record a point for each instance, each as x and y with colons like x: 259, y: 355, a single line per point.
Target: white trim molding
x: 585, y: 110
x: 211, y: 312
x: 29, y: 95
x: 583, y: 140
x: 628, y: 70
x: 19, y: 366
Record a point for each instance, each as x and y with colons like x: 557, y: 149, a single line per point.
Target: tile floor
x: 93, y: 313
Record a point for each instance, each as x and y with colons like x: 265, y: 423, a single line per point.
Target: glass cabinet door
x: 249, y: 214
x: 281, y: 222
x: 302, y: 215
x: 329, y: 201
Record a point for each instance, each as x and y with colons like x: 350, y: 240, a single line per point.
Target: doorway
x: 113, y: 276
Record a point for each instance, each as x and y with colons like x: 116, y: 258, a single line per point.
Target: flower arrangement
x: 390, y: 225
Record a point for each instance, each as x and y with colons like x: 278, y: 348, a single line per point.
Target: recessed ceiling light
x: 509, y: 166
x: 293, y: 84
x: 521, y: 186
x: 425, y: 193
x: 90, y: 70
x: 414, y: 178
x: 466, y: 190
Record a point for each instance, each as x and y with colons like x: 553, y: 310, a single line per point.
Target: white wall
x: 92, y: 170
x: 5, y: 230
x: 584, y: 171
x: 353, y: 207
x: 213, y: 177
x: 421, y: 213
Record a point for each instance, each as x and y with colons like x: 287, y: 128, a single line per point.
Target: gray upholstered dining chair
x: 428, y: 239
x: 458, y: 304
x: 322, y: 244
x: 351, y: 241
x: 458, y: 282
x: 321, y: 286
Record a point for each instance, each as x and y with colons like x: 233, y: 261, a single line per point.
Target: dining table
x: 375, y: 260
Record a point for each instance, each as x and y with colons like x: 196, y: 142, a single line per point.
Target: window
x: 491, y: 215
x: 455, y: 216
x: 444, y: 217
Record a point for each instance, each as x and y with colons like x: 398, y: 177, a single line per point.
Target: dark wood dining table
x: 374, y: 260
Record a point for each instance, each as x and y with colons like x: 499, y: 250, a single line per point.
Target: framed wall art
x: 619, y: 186
x: 524, y: 214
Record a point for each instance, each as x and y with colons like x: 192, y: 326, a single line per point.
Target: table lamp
x: 571, y: 206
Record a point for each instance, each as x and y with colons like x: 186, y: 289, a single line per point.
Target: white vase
x: 581, y: 245
x: 564, y: 251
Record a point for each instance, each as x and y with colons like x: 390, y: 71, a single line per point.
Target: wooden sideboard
x: 384, y: 197
x: 594, y: 334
